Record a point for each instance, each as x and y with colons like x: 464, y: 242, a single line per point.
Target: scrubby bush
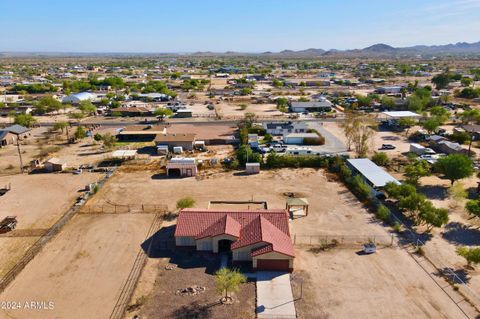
x: 381, y: 159
x: 383, y: 213
x: 281, y: 161
x: 185, y: 202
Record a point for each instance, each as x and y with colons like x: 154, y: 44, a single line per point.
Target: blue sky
x: 237, y: 25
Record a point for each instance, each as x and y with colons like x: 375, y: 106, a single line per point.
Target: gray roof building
x: 371, y: 173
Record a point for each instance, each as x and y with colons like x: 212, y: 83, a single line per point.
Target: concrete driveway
x: 274, y: 295
x: 332, y: 143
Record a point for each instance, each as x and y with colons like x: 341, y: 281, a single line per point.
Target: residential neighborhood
x: 197, y: 161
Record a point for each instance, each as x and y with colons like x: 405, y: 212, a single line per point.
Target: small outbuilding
x: 77, y: 98
x: 252, y: 168
x: 124, y: 154
x: 297, y: 207
x: 55, y: 165
x: 185, y: 140
x: 182, y: 167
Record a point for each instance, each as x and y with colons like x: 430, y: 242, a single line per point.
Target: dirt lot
x: 340, y: 283
x: 193, y: 269
x: 38, y: 201
x: 205, y: 131
x: 333, y: 212
x: 228, y: 109
x: 83, y: 269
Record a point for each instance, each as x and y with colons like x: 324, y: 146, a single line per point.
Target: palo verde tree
x: 471, y: 255
x: 415, y: 170
x: 359, y: 131
x: 61, y: 126
x: 228, y: 280
x: 26, y: 120
x: 455, y: 167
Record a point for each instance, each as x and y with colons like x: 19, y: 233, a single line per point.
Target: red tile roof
x: 224, y: 226
x: 250, y: 226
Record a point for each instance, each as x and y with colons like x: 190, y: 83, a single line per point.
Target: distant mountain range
x: 377, y: 50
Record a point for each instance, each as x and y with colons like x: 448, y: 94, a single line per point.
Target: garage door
x: 273, y: 264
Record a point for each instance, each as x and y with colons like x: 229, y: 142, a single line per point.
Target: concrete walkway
x: 274, y: 295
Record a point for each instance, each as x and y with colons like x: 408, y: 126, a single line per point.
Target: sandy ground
x: 231, y: 110
x: 333, y: 212
x: 38, y: 201
x: 83, y: 269
x: 204, y: 131
x: 388, y: 284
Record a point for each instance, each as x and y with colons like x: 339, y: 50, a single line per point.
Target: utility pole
x: 19, y: 153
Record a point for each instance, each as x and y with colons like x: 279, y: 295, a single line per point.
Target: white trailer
x: 420, y: 150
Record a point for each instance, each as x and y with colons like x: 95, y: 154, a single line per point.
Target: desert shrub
x: 276, y: 161
x: 185, y: 202
x: 314, y: 140
x: 257, y: 130
x: 381, y: 159
x: 359, y: 187
x: 382, y: 213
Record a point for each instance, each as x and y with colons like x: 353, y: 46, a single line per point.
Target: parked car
x: 279, y: 148
x: 369, y: 248
x: 387, y: 147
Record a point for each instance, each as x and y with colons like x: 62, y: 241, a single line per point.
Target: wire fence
x: 415, y: 247
x: 124, y: 209
x: 126, y: 293
x: 40, y: 243
x: 347, y: 241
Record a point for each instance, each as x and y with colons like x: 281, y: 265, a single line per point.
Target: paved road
x: 195, y: 120
x: 274, y: 296
x: 332, y: 143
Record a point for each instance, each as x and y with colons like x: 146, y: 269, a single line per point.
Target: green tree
x: 415, y: 170
x: 466, y: 82
x: 80, y: 133
x: 268, y: 138
x: 61, y: 126
x: 457, y: 193
x: 87, y: 107
x: 431, y: 125
x: 227, y: 280
x: 163, y: 112
x: 185, y: 202
x: 472, y: 255
x: 245, y: 91
x: 473, y: 208
x: 26, y: 120
x: 455, y: 167
x: 432, y: 216
x: 407, y: 122
x: 440, y: 113
x: 470, y: 116
x: 282, y: 104
x: 245, y: 154
x: 441, y: 81
x: 108, y: 140
x: 387, y: 102
x: 49, y: 104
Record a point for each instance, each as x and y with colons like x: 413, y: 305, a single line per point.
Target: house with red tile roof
x: 259, y: 236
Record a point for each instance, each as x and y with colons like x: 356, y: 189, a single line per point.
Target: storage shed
x: 55, y: 165
x: 181, y: 167
x: 252, y: 168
